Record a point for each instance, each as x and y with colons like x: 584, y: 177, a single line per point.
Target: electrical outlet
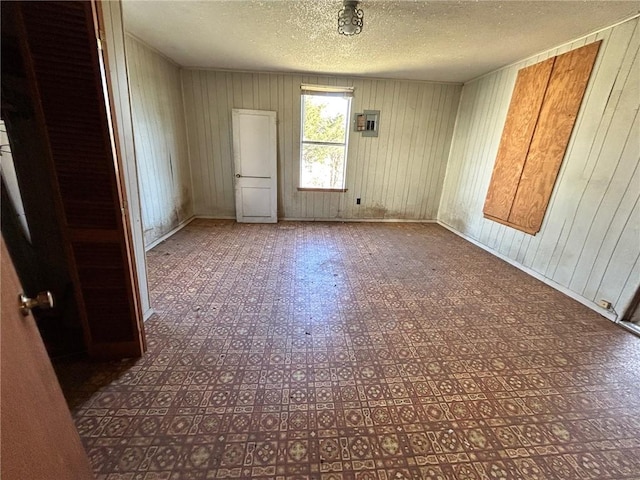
x: 357, y: 201
x: 605, y: 304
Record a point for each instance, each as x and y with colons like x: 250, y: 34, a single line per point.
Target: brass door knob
x: 42, y: 300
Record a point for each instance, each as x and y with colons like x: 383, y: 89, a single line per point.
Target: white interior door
x: 254, y: 157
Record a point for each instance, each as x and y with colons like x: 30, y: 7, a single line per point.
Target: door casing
x: 255, y: 165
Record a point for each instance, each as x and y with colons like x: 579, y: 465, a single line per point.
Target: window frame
x: 325, y: 91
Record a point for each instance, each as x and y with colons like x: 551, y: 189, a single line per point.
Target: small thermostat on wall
x: 367, y: 123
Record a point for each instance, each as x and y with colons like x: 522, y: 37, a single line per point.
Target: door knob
x: 238, y: 175
x: 42, y: 300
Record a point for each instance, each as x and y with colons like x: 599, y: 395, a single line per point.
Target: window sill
x: 300, y: 189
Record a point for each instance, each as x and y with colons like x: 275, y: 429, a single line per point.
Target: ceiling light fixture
x: 350, y: 18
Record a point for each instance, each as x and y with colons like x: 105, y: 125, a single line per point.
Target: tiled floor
x: 359, y: 351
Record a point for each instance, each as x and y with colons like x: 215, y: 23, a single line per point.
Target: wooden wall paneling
x: 582, y: 190
x: 294, y: 198
x: 215, y: 128
x: 218, y: 156
x: 191, y: 144
x: 284, y: 191
x: 629, y: 291
x: 488, y: 230
x: 356, y: 148
x: 159, y: 128
x: 619, y: 271
x: 600, y: 246
x: 263, y: 86
x: 473, y: 146
x: 456, y: 159
x: 113, y: 37
x: 441, y: 148
x: 188, y: 94
x: 378, y: 169
x: 227, y: 154
x: 195, y: 126
x: 422, y: 171
x: 415, y: 154
x: 613, y: 183
x: 567, y: 85
x: 495, y: 114
x: 356, y: 171
x: 491, y: 230
x: 407, y: 126
x: 429, y: 172
x: 209, y: 138
x: 374, y: 204
x: 277, y: 91
x: 391, y: 162
x: 441, y: 130
x: 415, y: 182
x: 522, y: 118
x: 611, y: 76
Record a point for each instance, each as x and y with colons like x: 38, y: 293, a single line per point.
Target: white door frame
x: 255, y: 167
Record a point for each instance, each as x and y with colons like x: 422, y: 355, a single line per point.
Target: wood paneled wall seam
x: 398, y: 175
x: 160, y: 139
x: 589, y: 238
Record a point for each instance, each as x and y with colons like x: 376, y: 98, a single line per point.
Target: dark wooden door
x: 38, y: 438
x: 55, y: 79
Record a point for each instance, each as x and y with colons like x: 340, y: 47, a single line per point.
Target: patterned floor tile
x: 358, y: 351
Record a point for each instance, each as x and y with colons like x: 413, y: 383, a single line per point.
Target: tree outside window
x: 324, y: 141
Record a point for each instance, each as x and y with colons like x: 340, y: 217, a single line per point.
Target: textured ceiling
x: 452, y: 41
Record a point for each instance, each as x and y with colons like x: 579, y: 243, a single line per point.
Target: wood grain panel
x: 39, y: 439
x: 62, y: 58
x: 560, y: 107
x: 397, y: 175
x: 522, y: 117
x: 159, y: 129
x: 588, y: 241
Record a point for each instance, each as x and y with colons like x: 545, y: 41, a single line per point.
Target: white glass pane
x: 322, y: 166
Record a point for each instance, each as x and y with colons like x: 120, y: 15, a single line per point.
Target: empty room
x: 329, y: 240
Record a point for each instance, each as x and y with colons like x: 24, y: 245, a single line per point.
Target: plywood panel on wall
x: 397, y: 175
x: 588, y: 240
x: 542, y: 113
x: 522, y: 118
x: 568, y: 82
x: 160, y: 140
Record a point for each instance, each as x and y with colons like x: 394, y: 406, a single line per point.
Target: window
x: 324, y: 137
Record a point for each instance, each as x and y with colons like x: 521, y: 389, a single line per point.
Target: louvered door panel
x: 64, y: 59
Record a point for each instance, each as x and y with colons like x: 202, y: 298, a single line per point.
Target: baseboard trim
x: 170, y: 233
x: 323, y: 219
x: 362, y: 220
x: 631, y: 327
x: 215, y: 217
x: 147, y: 315
x: 562, y: 289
